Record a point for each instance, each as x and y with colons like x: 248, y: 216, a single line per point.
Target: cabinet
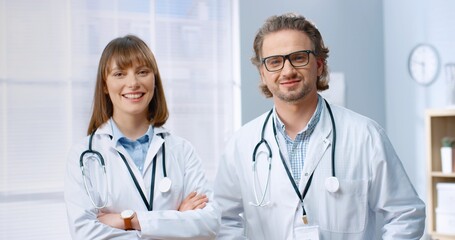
x: 439, y: 123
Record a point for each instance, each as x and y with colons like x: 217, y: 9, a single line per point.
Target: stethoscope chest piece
x: 165, y: 185
x: 332, y: 184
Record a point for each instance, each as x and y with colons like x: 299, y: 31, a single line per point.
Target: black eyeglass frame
x: 287, y: 57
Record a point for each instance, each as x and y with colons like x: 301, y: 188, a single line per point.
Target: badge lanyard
x: 152, y: 187
x: 164, y: 185
x: 294, y: 185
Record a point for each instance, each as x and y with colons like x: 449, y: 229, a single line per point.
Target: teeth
x: 133, y: 96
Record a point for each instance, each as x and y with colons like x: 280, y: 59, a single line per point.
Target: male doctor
x: 331, y: 172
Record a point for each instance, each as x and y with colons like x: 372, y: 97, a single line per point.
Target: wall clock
x: 424, y: 64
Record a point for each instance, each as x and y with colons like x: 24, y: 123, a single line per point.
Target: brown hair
x: 292, y: 21
x: 126, y: 51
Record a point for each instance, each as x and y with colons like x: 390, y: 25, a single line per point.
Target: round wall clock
x: 424, y: 64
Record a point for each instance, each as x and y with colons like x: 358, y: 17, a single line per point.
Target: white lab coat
x: 183, y: 167
x: 372, y: 181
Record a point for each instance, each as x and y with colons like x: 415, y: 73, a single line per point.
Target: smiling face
x: 290, y: 84
x: 128, y: 82
x: 130, y: 90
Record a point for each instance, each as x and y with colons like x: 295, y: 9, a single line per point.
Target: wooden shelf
x: 439, y: 123
x: 438, y: 236
x: 440, y: 174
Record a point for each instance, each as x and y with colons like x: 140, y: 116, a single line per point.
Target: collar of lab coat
x: 319, y: 144
x: 106, y: 128
x: 155, y: 145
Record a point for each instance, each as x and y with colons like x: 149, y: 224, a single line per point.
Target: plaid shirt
x: 297, y: 148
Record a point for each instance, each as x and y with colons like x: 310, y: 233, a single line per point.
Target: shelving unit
x: 439, y: 123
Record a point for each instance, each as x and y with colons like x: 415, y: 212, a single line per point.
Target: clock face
x: 424, y: 64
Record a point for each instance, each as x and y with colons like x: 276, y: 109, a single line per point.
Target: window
x: 49, y: 55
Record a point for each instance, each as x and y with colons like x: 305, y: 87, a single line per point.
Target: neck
x: 132, y: 127
x: 295, y: 116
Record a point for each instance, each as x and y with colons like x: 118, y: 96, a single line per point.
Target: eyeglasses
x: 297, y: 59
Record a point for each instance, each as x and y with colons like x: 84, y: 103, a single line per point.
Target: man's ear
x: 320, y: 63
x: 261, y: 73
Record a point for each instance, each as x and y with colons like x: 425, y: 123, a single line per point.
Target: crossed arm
x: 192, y: 202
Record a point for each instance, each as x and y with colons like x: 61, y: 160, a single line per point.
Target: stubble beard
x: 292, y: 96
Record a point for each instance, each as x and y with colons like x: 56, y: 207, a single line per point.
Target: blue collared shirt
x: 136, y: 149
x: 297, y: 148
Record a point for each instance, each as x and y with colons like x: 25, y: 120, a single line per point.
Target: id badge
x: 307, y: 232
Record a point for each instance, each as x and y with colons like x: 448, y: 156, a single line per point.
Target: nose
x: 288, y: 69
x: 133, y: 81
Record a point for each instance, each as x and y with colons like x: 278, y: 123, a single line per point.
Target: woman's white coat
x: 183, y: 167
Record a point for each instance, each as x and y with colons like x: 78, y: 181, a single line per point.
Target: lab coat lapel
x: 154, y: 149
x: 318, y: 147
x: 280, y: 183
x: 107, y: 129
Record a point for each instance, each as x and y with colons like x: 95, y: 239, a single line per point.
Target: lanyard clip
x: 305, y: 219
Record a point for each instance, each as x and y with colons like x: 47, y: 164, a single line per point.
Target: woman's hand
x: 115, y: 220
x: 111, y: 219
x: 193, y: 201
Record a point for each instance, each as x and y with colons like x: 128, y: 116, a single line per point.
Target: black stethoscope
x: 164, y: 185
x: 332, y: 184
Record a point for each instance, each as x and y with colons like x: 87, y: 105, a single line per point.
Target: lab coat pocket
x: 345, y: 211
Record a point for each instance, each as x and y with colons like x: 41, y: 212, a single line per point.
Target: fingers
x: 193, y: 201
x: 201, y: 206
x: 199, y: 201
x: 191, y: 195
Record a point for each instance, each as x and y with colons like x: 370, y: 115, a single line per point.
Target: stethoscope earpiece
x: 332, y: 184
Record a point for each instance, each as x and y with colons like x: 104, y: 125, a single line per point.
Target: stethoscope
x: 331, y: 183
x: 164, y: 185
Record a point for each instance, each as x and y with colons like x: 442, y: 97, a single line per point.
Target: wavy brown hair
x: 126, y: 51
x: 291, y: 21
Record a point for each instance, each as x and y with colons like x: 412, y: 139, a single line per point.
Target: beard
x: 292, y: 95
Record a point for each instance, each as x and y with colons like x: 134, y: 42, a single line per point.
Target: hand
x: 111, y: 219
x: 115, y: 220
x: 193, y: 201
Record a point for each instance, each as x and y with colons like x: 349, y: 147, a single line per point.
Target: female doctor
x: 130, y: 178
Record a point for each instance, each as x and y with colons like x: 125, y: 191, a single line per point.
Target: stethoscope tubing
x: 167, y: 182
x: 263, y: 141
x: 334, y: 137
x: 84, y: 178
x: 260, y: 203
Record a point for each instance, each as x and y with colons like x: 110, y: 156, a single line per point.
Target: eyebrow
x: 136, y: 68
